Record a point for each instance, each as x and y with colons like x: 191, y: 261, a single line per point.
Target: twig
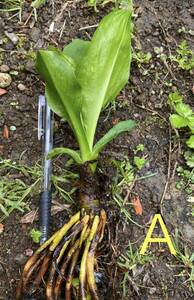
x: 88, y: 27
x: 179, y: 151
x: 28, y: 18
x: 62, y: 30
x: 168, y: 173
x: 151, y: 111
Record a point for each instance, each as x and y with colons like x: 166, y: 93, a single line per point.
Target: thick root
x: 67, y: 257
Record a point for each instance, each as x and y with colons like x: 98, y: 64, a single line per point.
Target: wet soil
x: 144, y: 99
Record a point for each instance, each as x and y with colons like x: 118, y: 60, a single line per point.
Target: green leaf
x: 190, y: 142
x: 75, y: 282
x: 3, y: 209
x: 139, y: 162
x: 63, y: 92
x: 35, y: 235
x: 178, y: 121
x: 191, y: 123
x: 112, y: 133
x: 175, y: 98
x: 58, y: 72
x: 183, y: 110
x: 189, y: 157
x: 77, y: 49
x: 104, y: 70
x: 58, y: 151
x: 139, y: 147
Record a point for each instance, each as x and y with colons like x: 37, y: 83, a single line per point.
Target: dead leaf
x: 58, y: 207
x: 1, y: 227
x: 33, y: 214
x: 115, y: 121
x: 30, y: 217
x: 137, y: 205
x: 5, y: 132
x: 2, y: 92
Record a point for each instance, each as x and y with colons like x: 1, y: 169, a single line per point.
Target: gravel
x: 5, y: 80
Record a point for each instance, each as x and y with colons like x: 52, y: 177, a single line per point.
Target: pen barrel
x: 45, y: 214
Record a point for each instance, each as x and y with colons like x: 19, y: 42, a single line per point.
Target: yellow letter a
x: 165, y: 239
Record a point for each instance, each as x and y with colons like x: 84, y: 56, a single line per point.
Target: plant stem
x: 88, y: 189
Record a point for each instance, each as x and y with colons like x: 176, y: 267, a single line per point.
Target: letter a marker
x: 165, y: 239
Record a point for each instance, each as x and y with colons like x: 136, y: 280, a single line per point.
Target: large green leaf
x: 113, y: 133
x: 63, y: 91
x: 104, y: 70
x: 77, y: 49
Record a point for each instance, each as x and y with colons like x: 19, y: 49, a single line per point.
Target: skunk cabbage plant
x: 85, y: 77
x: 80, y: 82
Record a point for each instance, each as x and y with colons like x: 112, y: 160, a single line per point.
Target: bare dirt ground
x: 144, y: 99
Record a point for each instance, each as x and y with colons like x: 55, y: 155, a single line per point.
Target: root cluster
x: 66, y: 262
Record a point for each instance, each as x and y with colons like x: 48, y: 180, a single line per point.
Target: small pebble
x: 4, y: 68
x: 21, y: 87
x: 30, y: 66
x: 5, y: 80
x: 14, y: 73
x: 12, y: 36
x: 35, y: 34
x: 12, y: 128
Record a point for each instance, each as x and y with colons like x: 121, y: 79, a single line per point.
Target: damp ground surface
x: 159, y: 276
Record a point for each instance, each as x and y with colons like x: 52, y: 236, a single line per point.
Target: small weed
x: 139, y: 147
x: 19, y: 182
x: 121, y: 183
x: 174, y: 98
x: 184, y: 117
x: 35, y: 235
x: 187, y: 260
x: 129, y: 262
x: 64, y: 177
x: 184, y: 57
x: 189, y: 158
x: 14, y: 191
x: 21, y: 42
x: 30, y: 55
x: 186, y: 180
x: 15, y: 6
x: 160, y: 53
x: 139, y: 162
x: 124, y: 180
x: 142, y: 57
x: 185, y: 30
x: 131, y: 259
